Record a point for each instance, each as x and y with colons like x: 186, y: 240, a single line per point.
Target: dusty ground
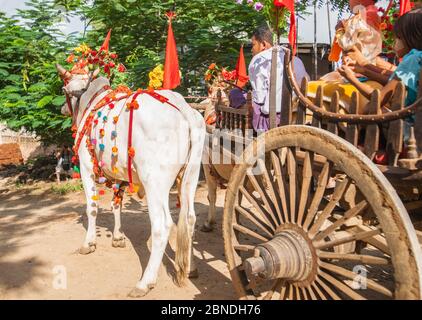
x: 40, y: 233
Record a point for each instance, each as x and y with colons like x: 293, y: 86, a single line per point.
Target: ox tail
x: 189, y: 182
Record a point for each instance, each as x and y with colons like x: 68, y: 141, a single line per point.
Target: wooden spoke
x: 341, y: 286
x: 351, y: 275
x: 328, y: 290
x: 306, y: 183
x: 280, y: 183
x: 251, y: 217
x: 257, y: 206
x: 304, y: 294
x: 276, y: 287
x: 318, y: 291
x: 358, y: 236
x: 366, y: 259
x: 283, y: 290
x: 261, y: 190
x: 244, y: 247
x: 297, y: 291
x: 312, y: 293
x: 348, y: 215
x: 377, y: 241
x: 291, y: 171
x: 249, y: 232
x: 263, y: 196
x: 270, y: 185
x: 335, y: 198
x: 319, y: 193
x: 290, y: 297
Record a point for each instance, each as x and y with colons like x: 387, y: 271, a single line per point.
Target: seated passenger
x: 362, y: 31
x: 260, y: 73
x: 408, y: 46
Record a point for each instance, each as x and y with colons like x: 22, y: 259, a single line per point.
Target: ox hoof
x: 87, y: 250
x: 193, y: 274
x: 139, y: 293
x: 118, y: 243
x: 206, y: 227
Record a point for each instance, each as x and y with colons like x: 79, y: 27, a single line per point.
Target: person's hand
x: 356, y: 68
x: 346, y: 72
x: 339, y: 25
x: 356, y: 55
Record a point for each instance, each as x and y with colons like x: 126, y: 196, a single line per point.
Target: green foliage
x: 30, y: 44
x: 67, y: 187
x: 30, y: 89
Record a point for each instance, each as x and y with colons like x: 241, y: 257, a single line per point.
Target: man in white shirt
x: 259, y: 74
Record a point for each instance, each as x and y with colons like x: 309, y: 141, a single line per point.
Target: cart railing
x: 336, y: 117
x: 234, y: 119
x: 353, y: 126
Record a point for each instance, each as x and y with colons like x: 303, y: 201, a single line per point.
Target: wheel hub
x: 288, y: 256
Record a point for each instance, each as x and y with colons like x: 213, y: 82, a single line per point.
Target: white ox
x: 168, y: 142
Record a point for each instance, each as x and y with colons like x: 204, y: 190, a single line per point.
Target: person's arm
x: 355, y: 57
x: 385, y: 65
x: 372, y: 74
x: 366, y: 90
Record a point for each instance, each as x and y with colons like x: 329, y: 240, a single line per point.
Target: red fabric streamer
x: 106, y: 43
x: 290, y: 5
x: 171, y: 65
x: 404, y: 6
x: 242, y: 74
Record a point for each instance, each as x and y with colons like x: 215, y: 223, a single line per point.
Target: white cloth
x: 260, y: 72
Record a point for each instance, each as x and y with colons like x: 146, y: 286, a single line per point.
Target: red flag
x: 290, y: 5
x: 171, y: 65
x: 242, y: 74
x: 106, y: 42
x: 404, y: 6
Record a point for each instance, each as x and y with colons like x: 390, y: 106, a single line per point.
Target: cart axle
x: 288, y: 256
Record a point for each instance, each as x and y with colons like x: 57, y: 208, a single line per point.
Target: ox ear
x: 62, y: 71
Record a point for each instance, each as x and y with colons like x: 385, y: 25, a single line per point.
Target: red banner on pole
x: 290, y: 5
x: 106, y: 43
x: 171, y: 64
x: 242, y: 74
x: 404, y: 6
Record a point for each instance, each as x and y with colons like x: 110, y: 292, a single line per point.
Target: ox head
x: 76, y: 83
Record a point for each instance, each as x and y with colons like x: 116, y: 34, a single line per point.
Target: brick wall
x: 10, y: 153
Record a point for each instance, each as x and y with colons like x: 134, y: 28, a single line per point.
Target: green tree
x: 30, y: 44
x: 30, y: 90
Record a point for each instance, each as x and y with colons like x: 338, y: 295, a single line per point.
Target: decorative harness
x: 86, y: 126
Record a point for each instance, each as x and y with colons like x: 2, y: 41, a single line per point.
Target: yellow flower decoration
x: 83, y: 48
x: 156, y: 77
x: 156, y: 84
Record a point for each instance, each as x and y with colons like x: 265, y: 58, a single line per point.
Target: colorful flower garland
x: 84, y: 58
x: 215, y: 73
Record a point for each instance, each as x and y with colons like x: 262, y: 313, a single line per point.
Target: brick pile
x: 10, y: 153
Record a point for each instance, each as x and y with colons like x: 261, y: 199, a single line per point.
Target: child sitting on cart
x: 408, y: 47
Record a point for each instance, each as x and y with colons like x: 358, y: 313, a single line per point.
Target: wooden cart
x: 307, y: 214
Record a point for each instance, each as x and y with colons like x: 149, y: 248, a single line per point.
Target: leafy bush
x: 67, y: 187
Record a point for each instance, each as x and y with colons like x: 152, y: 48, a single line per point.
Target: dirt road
x: 40, y: 233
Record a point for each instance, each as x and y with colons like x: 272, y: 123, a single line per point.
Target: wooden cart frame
x: 313, y: 217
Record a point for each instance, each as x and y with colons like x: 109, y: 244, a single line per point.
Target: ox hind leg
x: 212, y: 198
x: 118, y: 240
x: 88, y: 181
x: 157, y: 193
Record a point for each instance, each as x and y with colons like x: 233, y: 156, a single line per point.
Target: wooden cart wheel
x: 314, y: 218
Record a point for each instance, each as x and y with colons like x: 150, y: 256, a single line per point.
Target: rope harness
x: 85, y: 129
